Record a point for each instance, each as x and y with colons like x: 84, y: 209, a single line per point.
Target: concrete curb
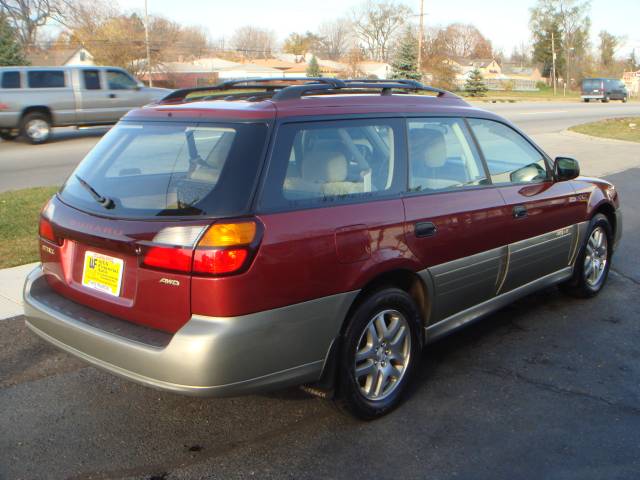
x: 11, y: 282
x: 592, y: 138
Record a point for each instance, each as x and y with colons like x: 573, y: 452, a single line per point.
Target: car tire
x: 592, y: 265
x: 625, y: 100
x: 379, y: 354
x: 605, y: 100
x: 36, y: 127
x: 586, y: 100
x: 7, y: 135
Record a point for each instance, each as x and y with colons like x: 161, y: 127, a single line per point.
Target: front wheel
x: 605, y: 100
x: 625, y: 100
x: 594, y: 260
x: 36, y: 127
x: 380, y: 351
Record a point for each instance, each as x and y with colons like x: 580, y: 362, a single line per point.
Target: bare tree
x: 335, y: 38
x: 253, y: 42
x: 376, y: 22
x: 27, y: 16
x: 465, y: 40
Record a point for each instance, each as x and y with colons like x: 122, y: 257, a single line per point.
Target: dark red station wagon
x: 318, y: 232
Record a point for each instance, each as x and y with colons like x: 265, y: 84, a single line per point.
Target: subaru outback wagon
x: 257, y: 235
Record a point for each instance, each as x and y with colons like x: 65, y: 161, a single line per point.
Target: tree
x: 376, y: 22
x: 632, y: 62
x: 300, y: 44
x: 475, y: 85
x: 466, y: 41
x: 608, y: 46
x: 313, y: 69
x: 570, y: 23
x: 253, y: 42
x: 405, y: 62
x: 335, y: 37
x: 10, y: 49
x: 26, y: 17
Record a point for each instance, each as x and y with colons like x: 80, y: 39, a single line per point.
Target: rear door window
x: 45, y: 78
x: 10, y: 80
x: 323, y: 163
x: 169, y: 169
x: 509, y: 156
x: 441, y: 156
x: 118, y: 80
x: 91, y: 79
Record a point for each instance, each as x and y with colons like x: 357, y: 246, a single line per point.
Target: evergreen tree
x: 405, y: 63
x: 475, y: 85
x: 10, y: 50
x: 313, y: 69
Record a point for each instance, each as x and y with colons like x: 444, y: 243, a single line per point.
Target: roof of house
x: 56, y: 57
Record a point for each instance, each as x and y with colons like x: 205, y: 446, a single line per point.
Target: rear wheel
x: 379, y: 353
x: 594, y: 260
x: 605, y: 100
x: 585, y: 100
x: 36, y: 127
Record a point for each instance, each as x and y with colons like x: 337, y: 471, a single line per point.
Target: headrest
x: 428, y: 145
x: 325, y: 164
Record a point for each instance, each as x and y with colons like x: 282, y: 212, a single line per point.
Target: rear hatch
x: 592, y: 87
x: 121, y: 235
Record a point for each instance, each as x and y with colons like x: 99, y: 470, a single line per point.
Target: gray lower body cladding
x: 208, y: 356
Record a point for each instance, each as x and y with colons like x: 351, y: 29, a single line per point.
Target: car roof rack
x: 280, y: 89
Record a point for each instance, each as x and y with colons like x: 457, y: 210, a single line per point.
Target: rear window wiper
x: 106, y: 202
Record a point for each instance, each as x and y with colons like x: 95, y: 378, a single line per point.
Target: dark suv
x: 604, y: 89
x: 316, y: 232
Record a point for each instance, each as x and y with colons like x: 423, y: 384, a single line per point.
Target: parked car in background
x: 604, y: 89
x: 318, y: 233
x: 33, y: 100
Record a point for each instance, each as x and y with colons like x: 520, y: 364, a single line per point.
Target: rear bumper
x: 208, y: 356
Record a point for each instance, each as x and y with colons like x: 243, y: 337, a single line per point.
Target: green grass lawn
x: 19, y: 214
x: 617, y: 128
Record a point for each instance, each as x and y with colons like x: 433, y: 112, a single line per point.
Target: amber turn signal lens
x: 228, y: 234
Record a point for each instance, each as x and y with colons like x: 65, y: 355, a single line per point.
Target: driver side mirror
x: 565, y: 168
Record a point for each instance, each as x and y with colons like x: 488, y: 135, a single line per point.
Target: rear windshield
x: 169, y: 169
x: 591, y: 84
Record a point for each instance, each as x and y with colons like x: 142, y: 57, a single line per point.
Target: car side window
x: 45, y: 78
x: 509, y: 156
x: 91, y: 79
x: 118, y: 80
x: 333, y: 161
x: 10, y: 80
x: 441, y: 156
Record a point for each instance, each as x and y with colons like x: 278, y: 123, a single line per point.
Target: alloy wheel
x: 383, y: 354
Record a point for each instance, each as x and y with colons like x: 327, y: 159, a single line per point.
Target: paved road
x: 24, y: 165
x: 547, y: 388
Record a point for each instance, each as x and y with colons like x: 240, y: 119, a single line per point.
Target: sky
x: 504, y: 22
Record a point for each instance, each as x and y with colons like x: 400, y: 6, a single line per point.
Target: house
x: 516, y: 70
x: 488, y: 67
x: 376, y: 70
x: 61, y: 57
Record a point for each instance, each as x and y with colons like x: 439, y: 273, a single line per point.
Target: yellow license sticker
x: 103, y: 273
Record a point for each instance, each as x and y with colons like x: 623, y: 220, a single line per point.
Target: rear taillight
x: 223, y: 249
x: 167, y: 258
x: 46, y: 231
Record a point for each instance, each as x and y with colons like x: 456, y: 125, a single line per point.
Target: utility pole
x: 146, y: 40
x: 553, y: 56
x: 420, y: 35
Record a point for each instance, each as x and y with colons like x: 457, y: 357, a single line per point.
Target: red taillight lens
x: 178, y: 259
x: 46, y: 230
x: 218, y: 262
